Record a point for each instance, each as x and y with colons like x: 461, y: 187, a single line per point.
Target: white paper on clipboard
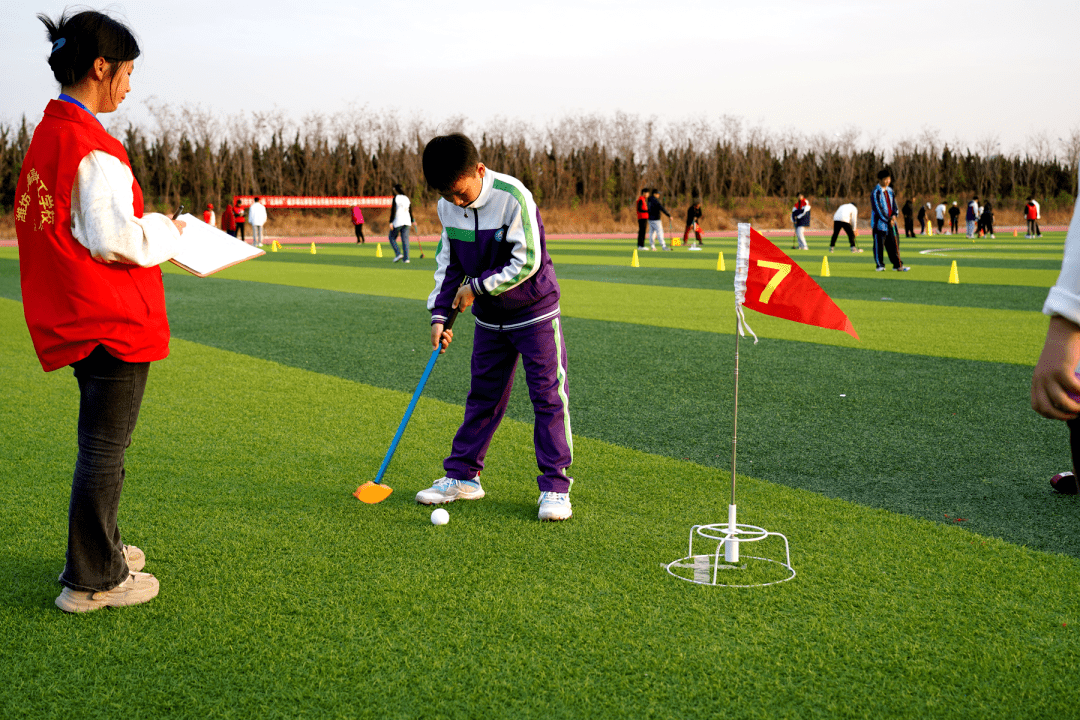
x: 206, y: 250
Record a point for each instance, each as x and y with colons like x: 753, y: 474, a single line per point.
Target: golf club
x: 374, y: 491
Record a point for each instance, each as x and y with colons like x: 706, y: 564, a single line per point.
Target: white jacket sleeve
x: 104, y: 222
x: 1064, y: 297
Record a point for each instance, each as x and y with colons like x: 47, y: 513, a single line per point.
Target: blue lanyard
x: 67, y: 98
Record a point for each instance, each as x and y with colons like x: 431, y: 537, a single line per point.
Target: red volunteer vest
x: 73, y: 302
x: 642, y: 208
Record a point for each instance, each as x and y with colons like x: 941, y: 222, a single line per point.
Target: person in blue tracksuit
x: 883, y: 210
x: 492, y: 256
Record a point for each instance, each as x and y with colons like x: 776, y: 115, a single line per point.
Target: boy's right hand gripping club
x: 374, y: 491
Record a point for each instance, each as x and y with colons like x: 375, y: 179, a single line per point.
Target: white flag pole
x: 731, y: 545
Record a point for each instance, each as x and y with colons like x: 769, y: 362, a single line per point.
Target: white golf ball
x: 439, y: 516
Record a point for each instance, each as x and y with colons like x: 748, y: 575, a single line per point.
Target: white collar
x: 485, y: 190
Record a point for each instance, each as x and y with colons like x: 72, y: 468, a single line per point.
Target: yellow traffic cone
x: 634, y: 260
x: 378, y: 250
x: 312, y: 248
x: 1014, y: 233
x: 954, y: 277
x: 720, y: 263
x: 825, y: 266
x: 273, y: 246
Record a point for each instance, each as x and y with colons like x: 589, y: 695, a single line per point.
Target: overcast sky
x: 971, y: 71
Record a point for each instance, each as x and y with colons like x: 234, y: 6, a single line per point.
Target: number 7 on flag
x: 783, y: 270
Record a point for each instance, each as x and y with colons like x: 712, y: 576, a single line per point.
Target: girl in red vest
x: 92, y: 292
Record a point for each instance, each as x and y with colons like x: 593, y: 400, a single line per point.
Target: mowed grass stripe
x: 972, y: 334
x: 600, y: 254
x: 275, y: 580
x: 934, y: 438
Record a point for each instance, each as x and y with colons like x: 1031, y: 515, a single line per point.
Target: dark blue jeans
x: 403, y: 232
x: 111, y: 392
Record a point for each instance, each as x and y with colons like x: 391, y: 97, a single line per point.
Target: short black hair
x: 398, y: 190
x: 447, y: 158
x: 78, y: 40
x: 886, y: 173
x: 644, y: 190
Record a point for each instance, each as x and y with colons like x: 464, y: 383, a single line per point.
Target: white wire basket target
x: 745, y: 571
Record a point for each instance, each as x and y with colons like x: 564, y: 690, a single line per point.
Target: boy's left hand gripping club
x: 374, y: 491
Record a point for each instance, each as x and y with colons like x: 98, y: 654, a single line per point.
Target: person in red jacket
x: 208, y: 216
x: 642, y: 205
x: 92, y: 292
x: 228, y: 220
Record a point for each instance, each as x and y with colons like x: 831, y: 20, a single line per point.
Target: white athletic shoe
x: 137, y: 588
x: 399, y: 257
x: 406, y: 260
x: 856, y: 250
x: 447, y: 490
x: 554, y: 506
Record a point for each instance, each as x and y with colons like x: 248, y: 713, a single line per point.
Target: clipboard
x: 206, y: 250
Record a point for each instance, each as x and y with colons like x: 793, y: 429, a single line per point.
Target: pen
x: 178, y: 211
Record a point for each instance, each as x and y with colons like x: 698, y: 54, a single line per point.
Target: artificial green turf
x: 284, y: 596
x: 931, y: 437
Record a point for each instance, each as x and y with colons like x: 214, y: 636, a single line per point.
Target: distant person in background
x: 972, y: 216
x: 1055, y: 386
x: 800, y: 218
x: 1038, y: 217
x: 882, y: 211
x: 208, y: 216
x: 228, y: 220
x: 358, y: 223
x: 909, y: 219
x: 642, y: 207
x: 939, y: 215
x: 693, y: 214
x: 656, y: 225
x: 1031, y: 214
x: 239, y: 214
x: 954, y: 219
x: 922, y: 218
x: 400, y: 220
x: 845, y: 218
x: 987, y: 218
x: 257, y: 217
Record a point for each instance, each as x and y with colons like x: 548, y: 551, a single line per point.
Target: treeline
x: 193, y: 156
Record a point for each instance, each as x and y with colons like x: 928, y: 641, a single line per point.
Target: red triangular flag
x: 768, y: 281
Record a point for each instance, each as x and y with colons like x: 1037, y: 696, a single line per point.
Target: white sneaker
x: 406, y: 260
x: 856, y: 250
x: 447, y: 490
x: 399, y: 257
x: 138, y: 588
x: 554, y: 506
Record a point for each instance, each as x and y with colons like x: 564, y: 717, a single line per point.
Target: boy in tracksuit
x: 492, y: 256
x: 882, y: 212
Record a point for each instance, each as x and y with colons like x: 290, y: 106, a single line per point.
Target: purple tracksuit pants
x: 494, y: 359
